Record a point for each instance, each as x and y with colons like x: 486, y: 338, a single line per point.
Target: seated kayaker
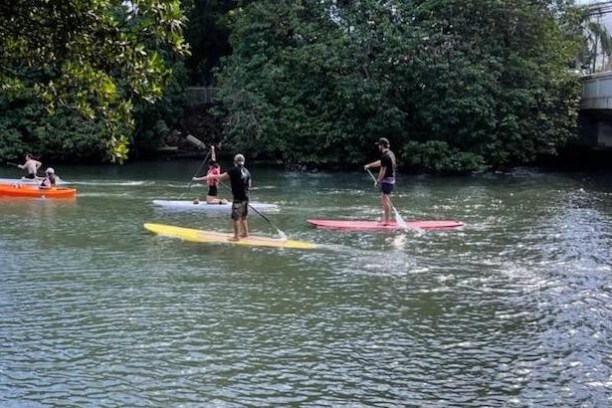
x: 49, y: 180
x: 30, y: 167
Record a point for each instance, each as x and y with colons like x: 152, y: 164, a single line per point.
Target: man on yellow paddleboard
x: 240, y: 180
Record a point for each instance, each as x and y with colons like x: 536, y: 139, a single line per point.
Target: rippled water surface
x: 514, y: 309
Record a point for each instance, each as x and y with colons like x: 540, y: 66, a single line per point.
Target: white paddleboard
x: 188, y: 205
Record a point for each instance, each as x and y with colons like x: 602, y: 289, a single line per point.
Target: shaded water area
x: 514, y: 309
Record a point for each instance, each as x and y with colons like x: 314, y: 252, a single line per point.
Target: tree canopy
x: 91, y: 59
x: 453, y: 84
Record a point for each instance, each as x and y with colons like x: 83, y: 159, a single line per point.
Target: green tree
x: 453, y: 84
x: 95, y: 58
x: 495, y: 82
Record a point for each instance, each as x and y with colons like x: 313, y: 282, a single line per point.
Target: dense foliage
x: 454, y: 85
x: 72, y: 71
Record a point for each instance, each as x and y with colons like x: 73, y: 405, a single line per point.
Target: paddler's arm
x: 212, y: 153
x: 381, y: 175
x: 373, y: 164
x: 221, y: 177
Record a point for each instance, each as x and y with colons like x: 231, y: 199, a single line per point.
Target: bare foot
x: 196, y: 201
x: 234, y: 239
x: 244, y: 235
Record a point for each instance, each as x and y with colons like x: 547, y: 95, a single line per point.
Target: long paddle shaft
x: 280, y: 233
x: 198, y: 171
x: 200, y: 145
x: 398, y: 218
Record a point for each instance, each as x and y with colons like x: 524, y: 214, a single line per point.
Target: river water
x: 512, y: 310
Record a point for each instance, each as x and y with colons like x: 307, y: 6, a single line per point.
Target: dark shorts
x: 212, y: 191
x: 240, y: 210
x: 30, y: 176
x: 386, y: 188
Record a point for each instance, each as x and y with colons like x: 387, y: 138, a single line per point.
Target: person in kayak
x: 49, y: 180
x: 30, y: 167
x: 386, y: 176
x: 240, y: 181
x: 213, y: 170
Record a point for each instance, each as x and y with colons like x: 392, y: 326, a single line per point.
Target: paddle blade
x: 399, y: 220
x: 198, y: 143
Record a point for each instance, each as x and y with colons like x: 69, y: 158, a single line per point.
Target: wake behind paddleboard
x: 212, y: 237
x: 351, y: 225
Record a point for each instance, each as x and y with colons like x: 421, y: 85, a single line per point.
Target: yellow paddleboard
x: 211, y: 237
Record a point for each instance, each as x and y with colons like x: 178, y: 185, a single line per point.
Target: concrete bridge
x: 595, y: 119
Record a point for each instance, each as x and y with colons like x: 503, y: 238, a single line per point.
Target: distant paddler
x: 385, y: 178
x: 30, y: 167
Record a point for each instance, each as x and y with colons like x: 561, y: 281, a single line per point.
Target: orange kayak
x: 24, y: 190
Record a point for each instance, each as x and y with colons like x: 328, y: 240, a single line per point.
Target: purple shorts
x: 386, y: 188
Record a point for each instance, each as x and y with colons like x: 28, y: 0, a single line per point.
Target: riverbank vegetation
x: 455, y: 85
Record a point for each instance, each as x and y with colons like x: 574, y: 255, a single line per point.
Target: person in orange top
x: 212, y: 196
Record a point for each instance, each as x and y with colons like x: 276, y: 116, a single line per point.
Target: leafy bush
x: 26, y: 126
x: 438, y: 157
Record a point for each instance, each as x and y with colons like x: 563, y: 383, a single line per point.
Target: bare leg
x: 236, y: 236
x: 214, y: 200
x: 386, y: 204
x: 245, y: 228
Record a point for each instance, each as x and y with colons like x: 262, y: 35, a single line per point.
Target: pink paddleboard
x: 378, y: 226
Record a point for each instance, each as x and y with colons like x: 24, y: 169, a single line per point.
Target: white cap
x: 239, y: 159
x: 50, y: 170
